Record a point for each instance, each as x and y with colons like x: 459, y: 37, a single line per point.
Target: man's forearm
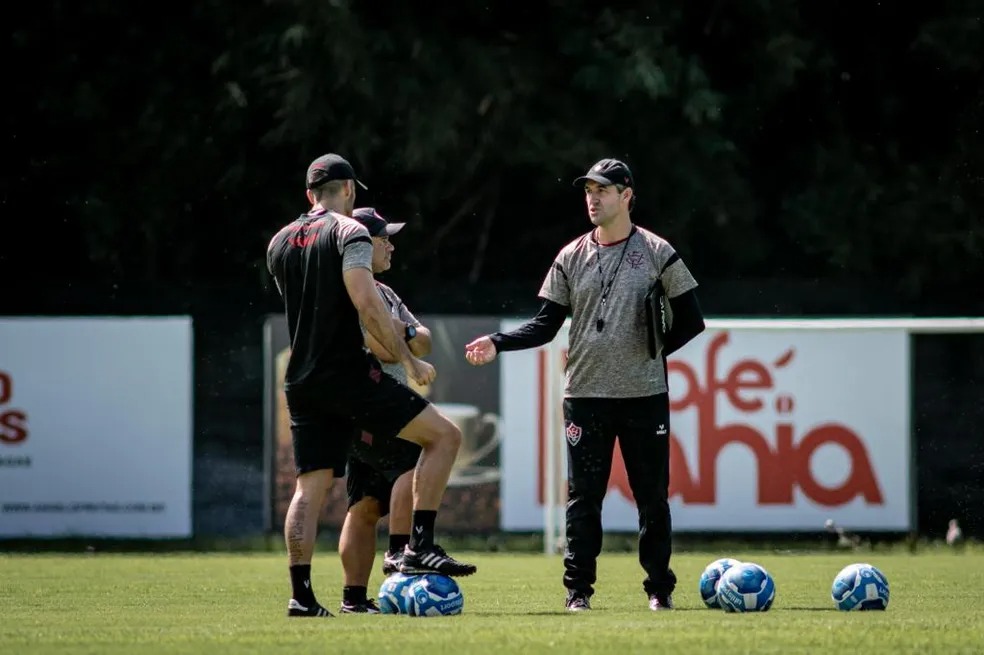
x: 380, y: 325
x: 420, y: 345
x: 539, y: 330
x: 381, y: 353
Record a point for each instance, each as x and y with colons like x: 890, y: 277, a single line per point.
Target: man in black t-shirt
x: 322, y: 266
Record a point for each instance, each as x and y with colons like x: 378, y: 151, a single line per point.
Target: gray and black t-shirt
x: 307, y: 259
x: 397, y: 309
x: 613, y: 362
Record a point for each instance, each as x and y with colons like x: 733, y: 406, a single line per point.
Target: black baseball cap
x: 376, y: 224
x: 331, y: 167
x: 606, y: 172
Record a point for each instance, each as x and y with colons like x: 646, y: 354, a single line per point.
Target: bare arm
x: 420, y: 345
x: 372, y: 312
x: 381, y: 353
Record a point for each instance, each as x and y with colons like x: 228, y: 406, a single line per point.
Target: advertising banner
x: 95, y: 427
x: 771, y: 430
x: 467, y: 395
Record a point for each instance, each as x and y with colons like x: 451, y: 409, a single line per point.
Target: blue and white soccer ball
x: 435, y: 595
x: 860, y: 587
x: 394, y: 594
x: 746, y: 587
x: 711, y: 576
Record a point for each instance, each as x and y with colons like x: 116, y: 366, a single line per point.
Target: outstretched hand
x: 480, y: 351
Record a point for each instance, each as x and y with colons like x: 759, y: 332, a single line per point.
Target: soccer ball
x: 394, y: 594
x: 711, y: 576
x: 435, y: 595
x: 746, y: 587
x: 860, y: 587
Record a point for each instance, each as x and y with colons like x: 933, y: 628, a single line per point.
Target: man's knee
x: 584, y: 507
x: 449, y: 435
x: 654, y: 510
x: 649, y: 491
x: 403, y: 485
x: 314, y: 484
x: 587, y: 489
x: 366, y: 512
x: 434, y: 430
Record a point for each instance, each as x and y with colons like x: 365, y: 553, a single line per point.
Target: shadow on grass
x: 559, y: 612
x: 593, y: 610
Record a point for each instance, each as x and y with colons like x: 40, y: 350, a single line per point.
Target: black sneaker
x: 391, y: 562
x: 433, y: 560
x: 368, y: 607
x: 660, y: 602
x: 578, y: 601
x: 294, y: 608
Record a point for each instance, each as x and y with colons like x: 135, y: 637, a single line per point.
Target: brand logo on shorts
x: 661, y: 430
x: 573, y: 434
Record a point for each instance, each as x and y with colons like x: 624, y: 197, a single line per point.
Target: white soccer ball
x: 711, y: 576
x: 435, y: 595
x: 860, y: 586
x: 394, y: 594
x: 746, y: 587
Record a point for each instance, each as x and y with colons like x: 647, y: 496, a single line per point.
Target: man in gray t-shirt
x: 379, y: 471
x: 616, y: 386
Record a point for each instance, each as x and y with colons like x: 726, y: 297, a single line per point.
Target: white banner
x: 772, y: 430
x: 95, y: 427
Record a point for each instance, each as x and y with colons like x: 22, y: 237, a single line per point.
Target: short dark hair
x: 329, y: 189
x: 632, y: 201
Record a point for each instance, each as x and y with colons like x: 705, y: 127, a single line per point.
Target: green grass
x: 217, y: 603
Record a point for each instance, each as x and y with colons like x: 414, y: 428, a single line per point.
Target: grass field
x: 215, y: 603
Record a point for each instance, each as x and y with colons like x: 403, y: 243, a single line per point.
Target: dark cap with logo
x: 376, y: 224
x: 606, y: 172
x: 327, y: 168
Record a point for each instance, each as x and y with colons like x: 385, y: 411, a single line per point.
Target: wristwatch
x: 409, y: 333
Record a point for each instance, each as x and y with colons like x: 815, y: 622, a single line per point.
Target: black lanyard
x: 605, y: 290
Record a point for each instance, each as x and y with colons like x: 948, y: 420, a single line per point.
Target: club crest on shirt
x: 634, y: 258
x: 573, y: 433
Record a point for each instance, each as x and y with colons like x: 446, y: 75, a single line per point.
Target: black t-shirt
x: 306, y: 259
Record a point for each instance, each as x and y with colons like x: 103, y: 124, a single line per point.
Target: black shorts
x: 325, y: 418
x: 374, y: 464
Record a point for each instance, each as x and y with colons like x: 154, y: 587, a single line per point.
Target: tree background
x: 802, y: 157
x: 805, y: 158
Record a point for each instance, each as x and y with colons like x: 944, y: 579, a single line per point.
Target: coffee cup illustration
x: 479, y: 440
